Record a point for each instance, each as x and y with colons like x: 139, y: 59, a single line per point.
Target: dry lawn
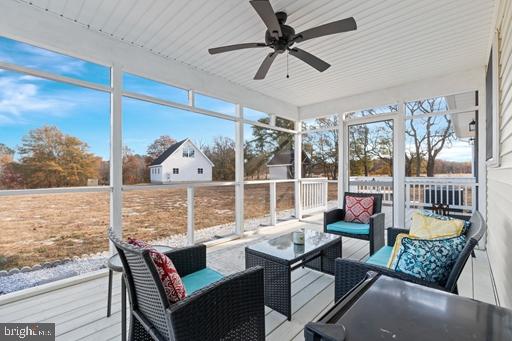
x: 41, y: 228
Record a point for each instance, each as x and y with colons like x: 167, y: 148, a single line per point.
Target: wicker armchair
x: 348, y: 273
x: 375, y: 232
x: 229, y: 309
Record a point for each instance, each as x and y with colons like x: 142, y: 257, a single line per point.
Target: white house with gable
x: 181, y: 162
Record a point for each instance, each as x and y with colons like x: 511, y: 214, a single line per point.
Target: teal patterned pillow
x: 430, y: 260
x: 467, y: 223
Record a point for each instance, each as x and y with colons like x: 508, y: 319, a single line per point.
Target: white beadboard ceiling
x: 396, y: 41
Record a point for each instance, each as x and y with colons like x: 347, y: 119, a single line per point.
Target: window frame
x: 494, y: 161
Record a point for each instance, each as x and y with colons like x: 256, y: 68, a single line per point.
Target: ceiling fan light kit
x: 281, y: 38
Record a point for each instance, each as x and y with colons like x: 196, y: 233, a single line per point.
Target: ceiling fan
x: 281, y: 38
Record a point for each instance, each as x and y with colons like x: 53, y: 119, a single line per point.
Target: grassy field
x: 42, y: 228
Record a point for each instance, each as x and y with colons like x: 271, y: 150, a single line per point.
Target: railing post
x: 273, y: 203
x: 326, y: 194
x: 190, y: 215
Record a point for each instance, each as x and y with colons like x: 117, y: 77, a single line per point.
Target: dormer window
x: 188, y: 152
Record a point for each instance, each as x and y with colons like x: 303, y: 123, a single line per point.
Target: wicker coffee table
x: 280, y: 256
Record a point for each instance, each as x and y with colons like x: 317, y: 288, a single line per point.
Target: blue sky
x: 28, y: 102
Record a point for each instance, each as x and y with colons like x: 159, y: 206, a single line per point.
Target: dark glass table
x: 385, y: 308
x: 280, y: 256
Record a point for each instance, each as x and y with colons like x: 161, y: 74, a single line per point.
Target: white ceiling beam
x: 31, y: 25
x: 454, y: 83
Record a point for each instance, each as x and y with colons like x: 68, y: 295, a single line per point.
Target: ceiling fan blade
x: 235, y: 47
x: 308, y: 58
x: 265, y: 66
x: 266, y: 13
x: 340, y: 26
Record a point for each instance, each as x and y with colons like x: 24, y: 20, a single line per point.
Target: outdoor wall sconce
x: 472, y: 125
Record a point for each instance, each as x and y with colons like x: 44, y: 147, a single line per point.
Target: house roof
x: 286, y: 157
x: 168, y: 152
x: 172, y: 149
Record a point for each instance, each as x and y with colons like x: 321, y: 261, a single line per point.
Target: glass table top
x: 284, y: 248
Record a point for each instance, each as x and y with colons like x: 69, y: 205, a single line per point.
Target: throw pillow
x: 358, y: 209
x: 171, y: 280
x: 430, y: 227
x: 429, y: 260
x: 396, y: 247
x: 467, y: 223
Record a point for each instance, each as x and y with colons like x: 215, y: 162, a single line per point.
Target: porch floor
x: 79, y: 311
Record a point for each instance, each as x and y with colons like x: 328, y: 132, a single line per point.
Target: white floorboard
x: 79, y: 311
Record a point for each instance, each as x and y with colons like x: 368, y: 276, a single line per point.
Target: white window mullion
x: 399, y: 168
x: 298, y: 170
x: 116, y: 153
x: 239, y: 172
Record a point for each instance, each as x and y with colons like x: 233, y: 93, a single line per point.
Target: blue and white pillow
x: 429, y: 260
x: 426, y: 213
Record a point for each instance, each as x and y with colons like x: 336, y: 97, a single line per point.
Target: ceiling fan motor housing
x: 280, y: 44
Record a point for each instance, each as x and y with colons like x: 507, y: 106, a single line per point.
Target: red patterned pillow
x: 171, y: 280
x: 358, y: 209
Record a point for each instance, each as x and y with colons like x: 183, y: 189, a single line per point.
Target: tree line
x: 47, y: 157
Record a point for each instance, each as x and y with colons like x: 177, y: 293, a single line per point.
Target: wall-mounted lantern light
x: 472, y: 125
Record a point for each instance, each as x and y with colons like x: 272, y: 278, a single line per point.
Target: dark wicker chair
x: 348, y: 273
x: 375, y: 233
x: 229, y: 309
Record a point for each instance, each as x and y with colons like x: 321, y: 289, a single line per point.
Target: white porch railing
x: 458, y: 193
x: 314, y: 195
x: 383, y: 185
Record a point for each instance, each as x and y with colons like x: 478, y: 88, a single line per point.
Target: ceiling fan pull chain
x: 287, y: 73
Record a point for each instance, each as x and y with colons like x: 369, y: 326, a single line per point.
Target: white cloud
x: 18, y: 98
x: 458, y: 151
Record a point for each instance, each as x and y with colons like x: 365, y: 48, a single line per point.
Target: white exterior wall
x: 155, y: 174
x: 187, y: 167
x: 499, y: 179
x: 278, y: 172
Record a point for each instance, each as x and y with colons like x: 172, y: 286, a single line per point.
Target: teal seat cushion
x: 348, y: 227
x: 381, y: 257
x: 200, y: 279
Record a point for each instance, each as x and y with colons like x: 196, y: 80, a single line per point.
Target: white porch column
x: 399, y: 168
x: 116, y: 153
x: 297, y: 167
x: 239, y: 172
x: 482, y: 164
x: 341, y: 160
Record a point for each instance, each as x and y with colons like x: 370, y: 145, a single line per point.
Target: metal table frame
x: 277, y: 272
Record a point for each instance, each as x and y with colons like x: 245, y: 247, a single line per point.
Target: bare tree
x: 160, y: 145
x: 429, y: 133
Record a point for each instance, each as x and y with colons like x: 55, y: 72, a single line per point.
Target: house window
x: 175, y: 171
x: 199, y: 171
x: 188, y: 152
